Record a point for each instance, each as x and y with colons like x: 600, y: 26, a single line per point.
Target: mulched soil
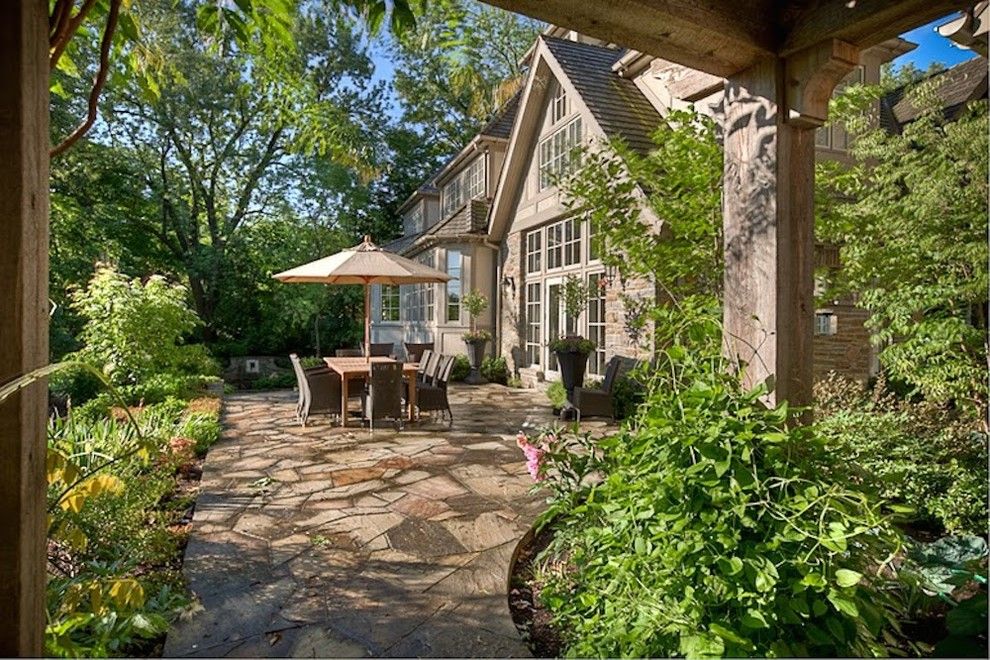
x: 531, y: 619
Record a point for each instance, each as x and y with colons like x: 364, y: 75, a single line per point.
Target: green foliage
x: 921, y: 454
x: 557, y: 394
x: 628, y: 393
x: 274, y: 382
x: 575, y: 295
x: 457, y: 67
x: 475, y: 303
x: 495, y: 370
x: 716, y: 529
x: 672, y: 235
x: 572, y: 345
x: 910, y: 216
x: 134, y: 330
x: 461, y: 368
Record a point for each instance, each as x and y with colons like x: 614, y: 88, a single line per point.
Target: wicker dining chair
x: 384, y: 396
x: 349, y: 352
x: 384, y: 349
x: 430, y: 397
x: 415, y: 352
x: 319, y: 390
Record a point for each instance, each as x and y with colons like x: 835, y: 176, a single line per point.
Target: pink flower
x: 534, y: 456
x: 521, y: 440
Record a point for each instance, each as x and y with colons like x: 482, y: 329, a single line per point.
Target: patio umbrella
x: 364, y: 264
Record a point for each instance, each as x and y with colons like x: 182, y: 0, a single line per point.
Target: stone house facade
x: 516, y: 243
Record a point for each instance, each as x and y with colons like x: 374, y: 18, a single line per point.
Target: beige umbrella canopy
x: 364, y: 264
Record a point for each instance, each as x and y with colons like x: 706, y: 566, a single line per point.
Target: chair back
x: 424, y: 361
x: 385, y: 390
x: 443, y: 371
x: 304, y: 393
x: 415, y: 352
x: 385, y: 349
x: 349, y: 352
x: 430, y: 372
x: 611, y: 374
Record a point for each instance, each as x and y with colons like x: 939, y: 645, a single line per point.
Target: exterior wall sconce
x: 509, y: 282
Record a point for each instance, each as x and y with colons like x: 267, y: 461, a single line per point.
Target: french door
x: 556, y: 321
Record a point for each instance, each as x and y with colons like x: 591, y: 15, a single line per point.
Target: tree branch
x: 101, y: 78
x: 65, y: 28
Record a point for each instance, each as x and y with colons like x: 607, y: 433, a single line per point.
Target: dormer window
x: 414, y: 220
x: 558, y: 105
x: 466, y: 185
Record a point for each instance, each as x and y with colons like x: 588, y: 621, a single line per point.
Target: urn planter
x: 572, y: 357
x: 476, y: 355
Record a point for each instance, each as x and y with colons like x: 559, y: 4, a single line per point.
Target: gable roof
x: 617, y: 107
x: 621, y: 109
x: 500, y: 125
x: 955, y: 88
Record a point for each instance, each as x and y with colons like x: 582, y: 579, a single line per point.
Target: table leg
x: 343, y: 400
x: 412, y: 398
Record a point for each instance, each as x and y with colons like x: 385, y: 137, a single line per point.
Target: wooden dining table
x: 351, y: 368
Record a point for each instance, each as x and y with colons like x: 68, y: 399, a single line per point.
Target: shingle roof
x: 956, y: 87
x: 617, y: 104
x: 401, y: 244
x: 500, y: 125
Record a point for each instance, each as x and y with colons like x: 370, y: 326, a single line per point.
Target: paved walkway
x: 325, y: 542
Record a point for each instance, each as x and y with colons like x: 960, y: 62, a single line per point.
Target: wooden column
x: 771, y: 112
x: 23, y: 320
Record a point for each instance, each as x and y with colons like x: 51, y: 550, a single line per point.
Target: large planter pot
x: 572, y: 367
x: 476, y: 355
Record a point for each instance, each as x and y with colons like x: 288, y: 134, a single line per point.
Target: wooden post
x: 771, y: 112
x: 23, y: 321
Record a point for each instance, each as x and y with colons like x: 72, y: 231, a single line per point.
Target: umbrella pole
x: 367, y: 322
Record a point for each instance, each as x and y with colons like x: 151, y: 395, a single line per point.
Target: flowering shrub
x: 564, y: 462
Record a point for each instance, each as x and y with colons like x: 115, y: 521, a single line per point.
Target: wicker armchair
x: 598, y: 402
x: 384, y: 396
x: 414, y: 352
x: 319, y: 390
x: 433, y: 396
x: 386, y: 349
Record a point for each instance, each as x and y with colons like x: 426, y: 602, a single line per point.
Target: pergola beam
x: 863, y: 23
x: 720, y: 38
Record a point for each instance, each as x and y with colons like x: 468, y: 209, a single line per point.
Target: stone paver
x: 330, y: 542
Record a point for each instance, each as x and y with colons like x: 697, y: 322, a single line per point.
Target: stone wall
x: 512, y: 337
x: 617, y: 338
x: 848, y: 352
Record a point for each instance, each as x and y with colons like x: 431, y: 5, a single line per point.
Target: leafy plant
x: 461, y: 368
x: 927, y: 456
x: 572, y: 345
x: 475, y: 303
x: 557, y: 394
x: 717, y: 530
x: 495, y: 370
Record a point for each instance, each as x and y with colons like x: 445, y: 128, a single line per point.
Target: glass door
x: 556, y: 320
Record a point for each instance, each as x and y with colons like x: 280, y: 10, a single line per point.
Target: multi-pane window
x: 555, y: 240
x: 558, y: 105
x: 559, y: 153
x: 572, y: 242
x: 390, y: 302
x: 594, y: 242
x: 454, y: 285
x: 534, y: 314
x: 410, y: 302
x: 467, y: 185
x: 414, y: 220
x: 534, y: 251
x: 596, y: 322
x: 826, y: 323
x: 427, y: 289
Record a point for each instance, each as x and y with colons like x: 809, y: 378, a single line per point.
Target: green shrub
x: 461, y: 368
x: 136, y: 330
x: 557, y: 394
x: 279, y: 381
x: 714, y: 529
x: 203, y: 428
x: 74, y: 385
x: 312, y: 361
x: 929, y: 457
x: 495, y: 370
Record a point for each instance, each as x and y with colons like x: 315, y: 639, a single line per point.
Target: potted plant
x: 475, y: 303
x: 572, y: 351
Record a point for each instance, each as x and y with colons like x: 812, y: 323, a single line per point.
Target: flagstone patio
x: 331, y: 542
